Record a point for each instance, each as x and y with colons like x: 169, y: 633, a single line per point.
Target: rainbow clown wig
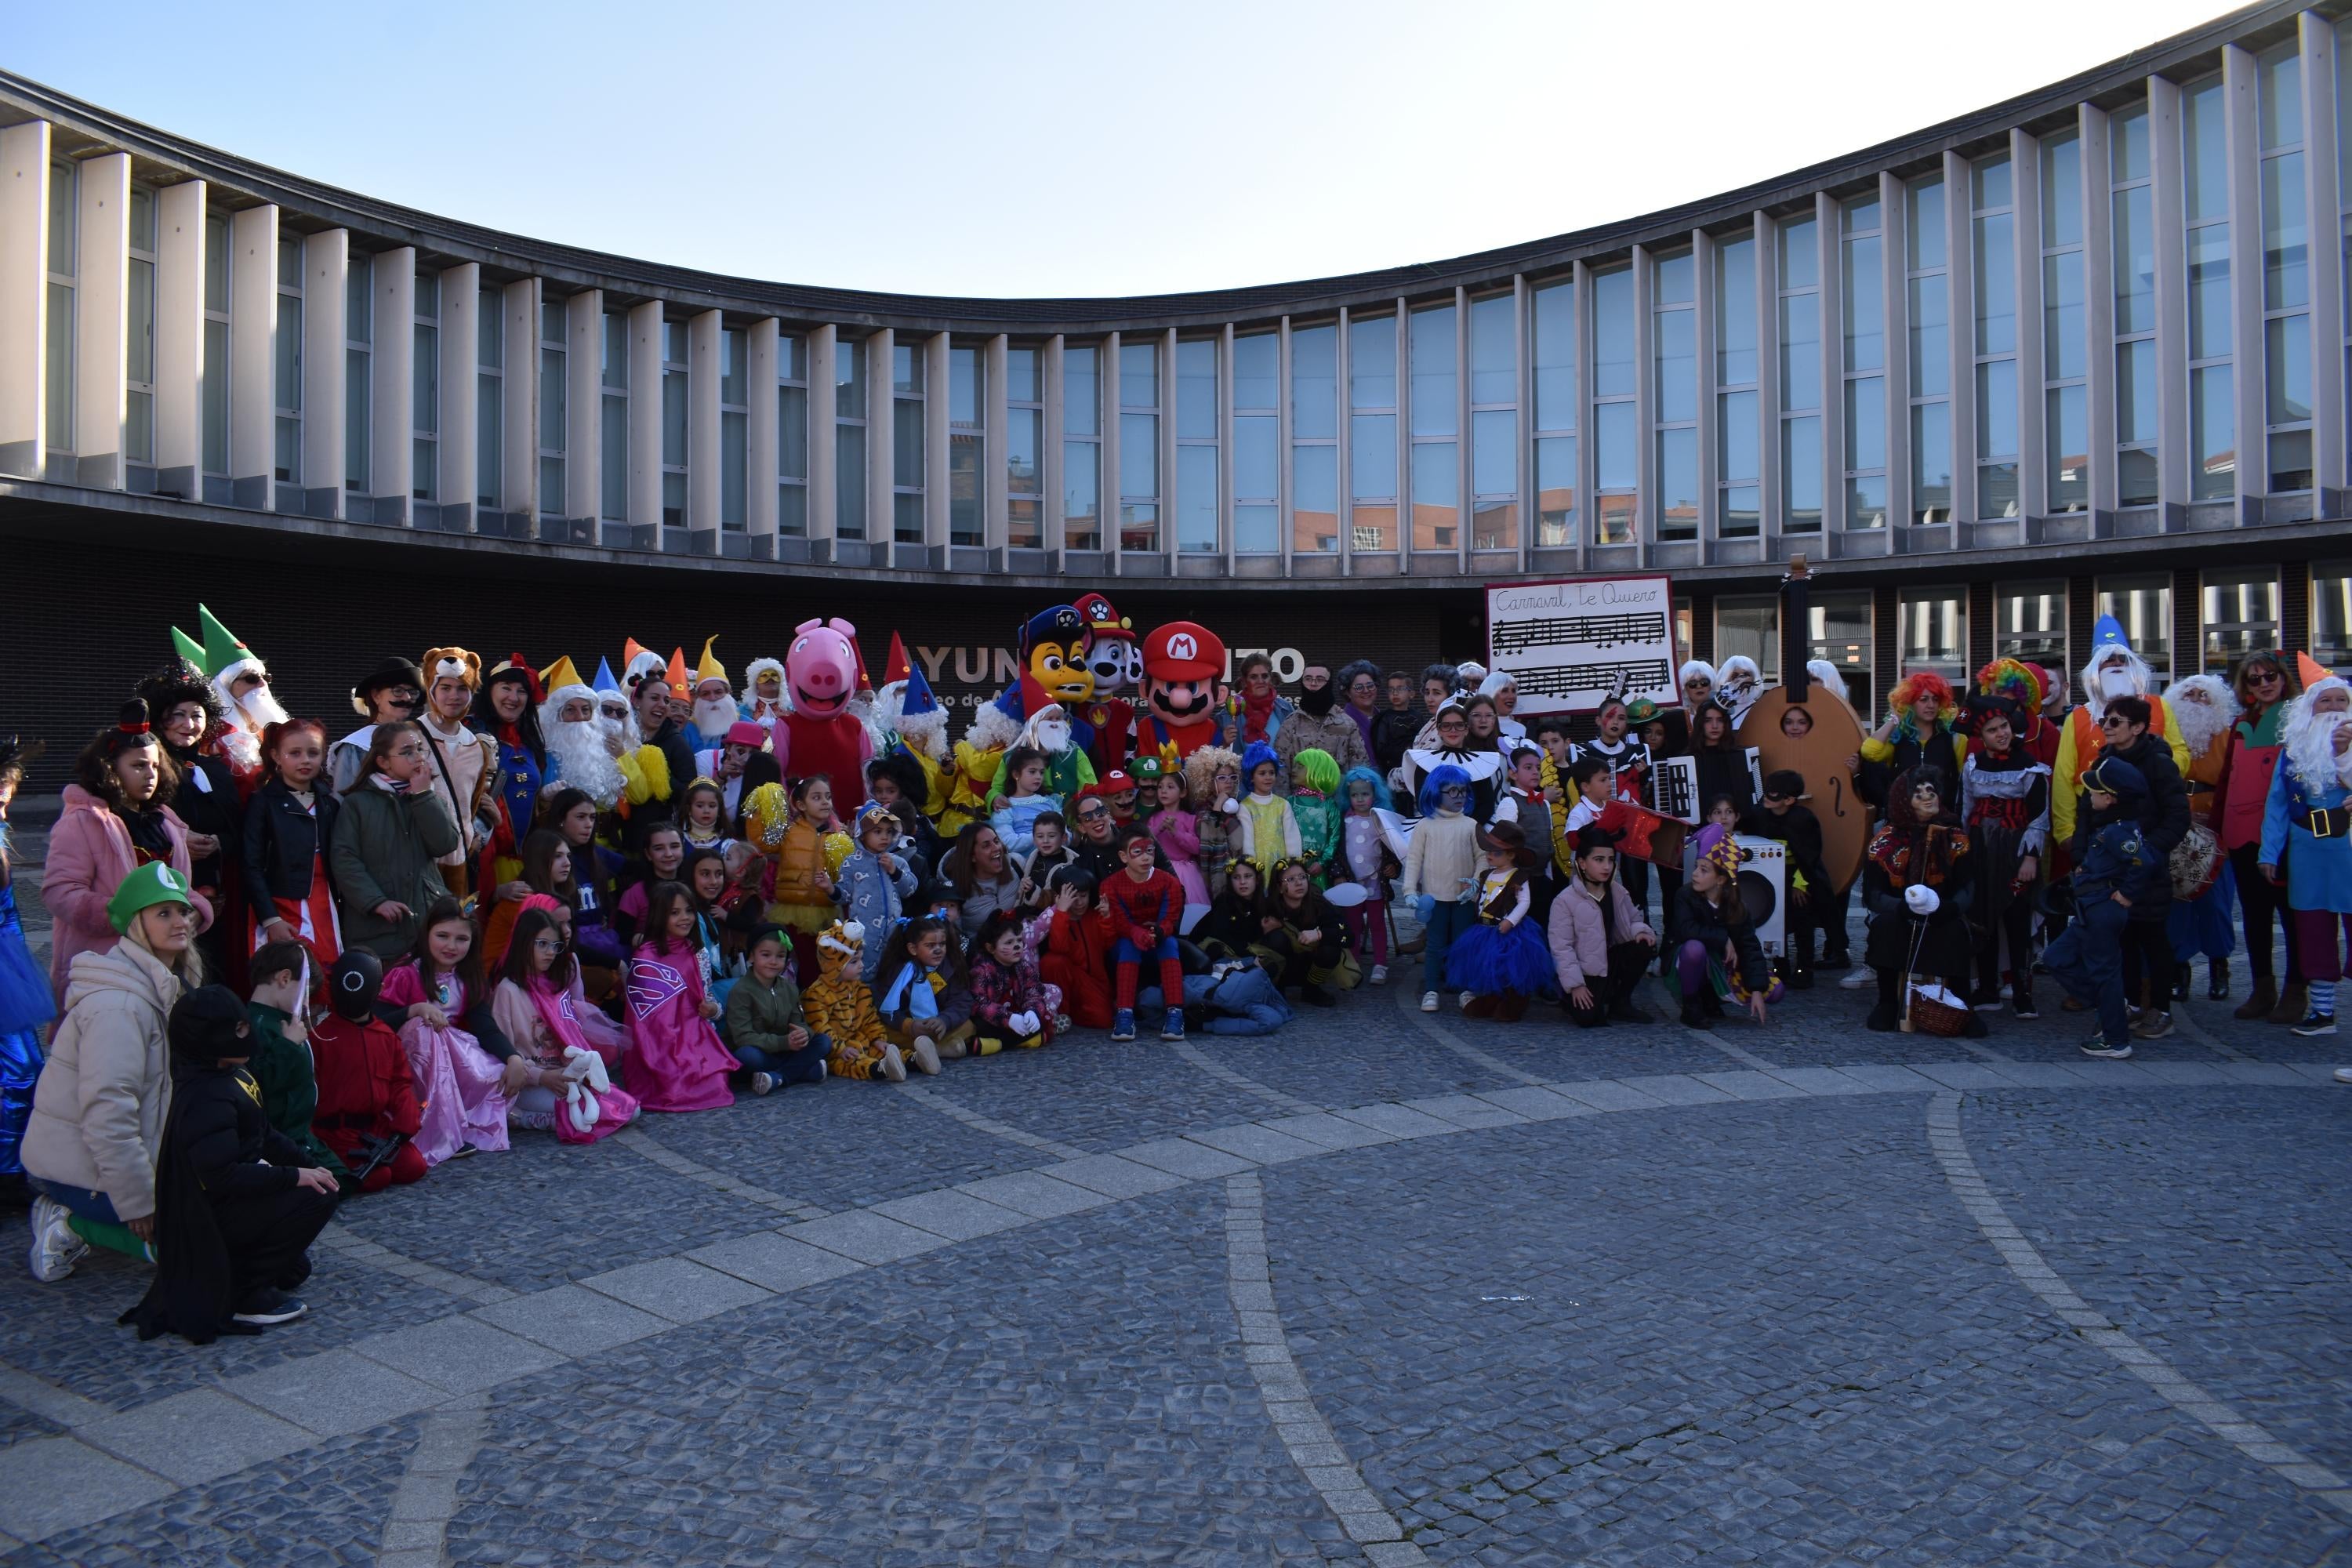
x: 2018, y: 682
x: 1920, y: 686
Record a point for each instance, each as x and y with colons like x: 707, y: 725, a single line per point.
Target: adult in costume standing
x: 714, y: 710
x: 2203, y: 711
x: 507, y: 711
x: 241, y: 681
x: 393, y: 690
x: 2115, y: 671
x: 819, y: 735
x: 1115, y: 662
x: 1183, y: 662
x: 465, y: 763
x: 1918, y: 732
x: 2265, y: 685
x: 2005, y: 806
x: 582, y: 749
x: 113, y: 823
x: 2305, y: 846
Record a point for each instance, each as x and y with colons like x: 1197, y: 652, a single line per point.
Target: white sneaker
x: 762, y: 1082
x: 927, y: 1056
x: 1429, y: 1001
x: 820, y: 1073
x: 56, y: 1248
x: 894, y: 1066
x: 1862, y: 978
x: 1466, y: 999
x: 2344, y: 1075
x: 1380, y: 974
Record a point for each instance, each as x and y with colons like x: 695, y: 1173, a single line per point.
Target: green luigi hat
x: 1641, y: 710
x: 153, y: 883
x: 1144, y: 770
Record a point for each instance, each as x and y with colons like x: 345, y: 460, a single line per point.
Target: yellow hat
x: 708, y: 668
x: 559, y: 674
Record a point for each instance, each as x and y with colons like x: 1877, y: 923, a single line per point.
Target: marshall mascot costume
x: 1115, y: 659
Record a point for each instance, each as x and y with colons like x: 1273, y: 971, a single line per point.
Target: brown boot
x: 2294, y: 1002
x: 1483, y: 1006
x: 2259, y: 1004
x: 1513, y: 1007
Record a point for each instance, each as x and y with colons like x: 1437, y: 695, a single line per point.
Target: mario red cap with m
x: 1182, y: 650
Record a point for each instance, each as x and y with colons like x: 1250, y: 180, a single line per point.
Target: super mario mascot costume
x: 1115, y: 659
x: 1183, y: 662
x: 819, y: 735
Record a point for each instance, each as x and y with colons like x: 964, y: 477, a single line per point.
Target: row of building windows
x: 1867, y: 361
x: 2237, y: 611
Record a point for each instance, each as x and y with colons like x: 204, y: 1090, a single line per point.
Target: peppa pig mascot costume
x: 819, y: 735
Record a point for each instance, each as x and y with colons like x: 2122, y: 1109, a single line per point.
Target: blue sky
x: 1039, y: 149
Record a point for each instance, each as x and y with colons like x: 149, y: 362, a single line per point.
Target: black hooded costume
x: 232, y: 1226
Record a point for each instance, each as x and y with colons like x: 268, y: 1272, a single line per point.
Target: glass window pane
x: 849, y: 480
x: 491, y: 329
x: 1494, y: 452
x: 1196, y: 498
x: 1801, y: 254
x: 734, y: 432
x: 2331, y: 614
x: 1138, y: 454
x: 614, y: 366
x: 359, y: 300
x: 1555, y: 351
x: 355, y: 419
x: 2142, y: 605
x: 2286, y: 282
x: 1931, y: 462
x: 905, y: 367
x: 2240, y: 614
x: 2281, y: 97
x: 1256, y: 529
x: 1437, y: 496
x: 215, y: 396
x: 673, y: 419
x: 2135, y: 391
x: 1996, y: 284
x: 1315, y: 382
x: 1676, y: 339
x: 2134, y: 261
x: 1371, y: 362
x: 2212, y: 443
x: 1801, y: 470
x: 1866, y: 422
x: 2062, y: 191
x: 907, y: 442
x: 734, y: 380
x: 2127, y: 145
x: 1196, y: 389
x: 1555, y: 491
x: 1931, y: 337
x: 1677, y: 508
x: 1612, y: 333
x: 425, y: 378
x: 2206, y: 152
x: 1314, y: 500
x: 2065, y: 348
x: 289, y: 343
x: 1138, y: 375
x: 489, y: 440
x: 1989, y: 185
x: 1257, y: 458
x: 1865, y: 501
x: 1373, y: 457
x: 1737, y: 437
x: 1257, y: 371
x: 1864, y: 305
x: 1434, y: 387
x: 2208, y: 291
x: 1801, y: 352
x: 2066, y: 443
x: 612, y: 458
x: 1614, y: 451
x: 2030, y: 623
x: 1024, y: 472
x: 849, y: 382
x: 907, y: 518
x: 792, y: 511
x: 1493, y: 346
x: 791, y: 432
x: 216, y: 266
x: 1924, y: 208
x: 1081, y: 393
x: 2288, y: 366
x: 1023, y: 381
x: 1734, y: 312
x: 1996, y: 409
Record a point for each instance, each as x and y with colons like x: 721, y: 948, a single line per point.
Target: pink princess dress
x: 460, y: 1084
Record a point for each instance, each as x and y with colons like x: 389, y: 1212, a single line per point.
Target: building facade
x: 2081, y: 352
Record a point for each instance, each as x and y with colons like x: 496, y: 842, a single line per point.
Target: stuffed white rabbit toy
x: 589, y: 1080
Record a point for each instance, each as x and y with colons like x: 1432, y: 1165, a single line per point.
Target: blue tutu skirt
x: 1487, y: 961
x: 25, y: 1001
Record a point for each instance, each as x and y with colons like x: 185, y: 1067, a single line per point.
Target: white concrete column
x: 1894, y: 255
x: 761, y: 457
x: 461, y: 386
x: 1344, y: 363
x: 102, y: 320
x: 823, y: 342
x: 1645, y: 393
x: 2241, y: 142
x: 519, y: 485
x: 1960, y: 255
x: 180, y: 339
x: 938, y: 514
x: 1054, y: 532
x: 2025, y: 191
x: 702, y: 430
x: 2320, y: 92
x: 326, y: 259
x: 996, y: 487
x: 1466, y: 489
x: 583, y: 407
x: 1167, y: 428
x: 392, y: 384
x: 1114, y: 482
x: 1225, y: 434
x: 880, y: 377
x: 2099, y: 305
x: 1772, y: 513
x: 24, y: 313
x: 2167, y: 179
x: 1829, y: 263
x: 253, y: 357
x: 1706, y: 330
x: 646, y: 419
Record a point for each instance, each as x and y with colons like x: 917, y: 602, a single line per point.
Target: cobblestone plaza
x: 1378, y: 1288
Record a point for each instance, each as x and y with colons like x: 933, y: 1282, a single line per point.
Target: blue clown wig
x: 1257, y: 752
x: 1441, y: 779
x: 1354, y: 777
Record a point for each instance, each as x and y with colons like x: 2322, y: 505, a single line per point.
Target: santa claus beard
x: 2311, y: 753
x: 584, y: 764
x: 2199, y: 724
x: 1051, y: 736
x: 714, y: 715
x: 258, y: 708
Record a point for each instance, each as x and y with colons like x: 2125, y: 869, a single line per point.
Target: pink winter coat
x: 89, y: 853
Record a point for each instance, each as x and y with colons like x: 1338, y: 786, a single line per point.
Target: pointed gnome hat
x: 896, y: 667
x: 865, y: 681
x: 679, y: 686
x: 605, y: 686
x: 637, y: 661
x: 707, y: 667
x: 562, y: 673
x: 222, y: 652
x: 2108, y: 632
x: 188, y: 647
x: 918, y: 699
x: 2309, y: 671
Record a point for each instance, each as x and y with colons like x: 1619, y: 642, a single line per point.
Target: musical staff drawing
x: 1601, y: 631
x: 1601, y: 676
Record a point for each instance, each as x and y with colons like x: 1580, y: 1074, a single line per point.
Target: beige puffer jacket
x: 98, y: 1109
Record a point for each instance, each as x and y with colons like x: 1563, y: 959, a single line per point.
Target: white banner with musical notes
x: 1572, y: 641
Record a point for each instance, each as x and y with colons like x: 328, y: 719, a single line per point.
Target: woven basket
x: 1936, y: 1011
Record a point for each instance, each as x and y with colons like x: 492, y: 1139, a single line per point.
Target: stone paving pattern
x: 1706, y: 1301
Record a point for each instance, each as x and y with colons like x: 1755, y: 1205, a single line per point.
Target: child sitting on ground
x: 1600, y: 946
x: 543, y: 1012
x: 367, y: 1112
x: 1301, y: 941
x: 1147, y: 906
x: 839, y: 1007
x: 924, y: 998
x: 437, y: 1003
x: 764, y: 1027
x: 1009, y: 997
x: 1501, y: 961
x: 675, y: 1060
x: 1072, y: 952
x: 875, y: 880
x: 1714, y: 938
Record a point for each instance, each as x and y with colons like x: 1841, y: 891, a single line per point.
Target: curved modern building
x: 2075, y: 353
